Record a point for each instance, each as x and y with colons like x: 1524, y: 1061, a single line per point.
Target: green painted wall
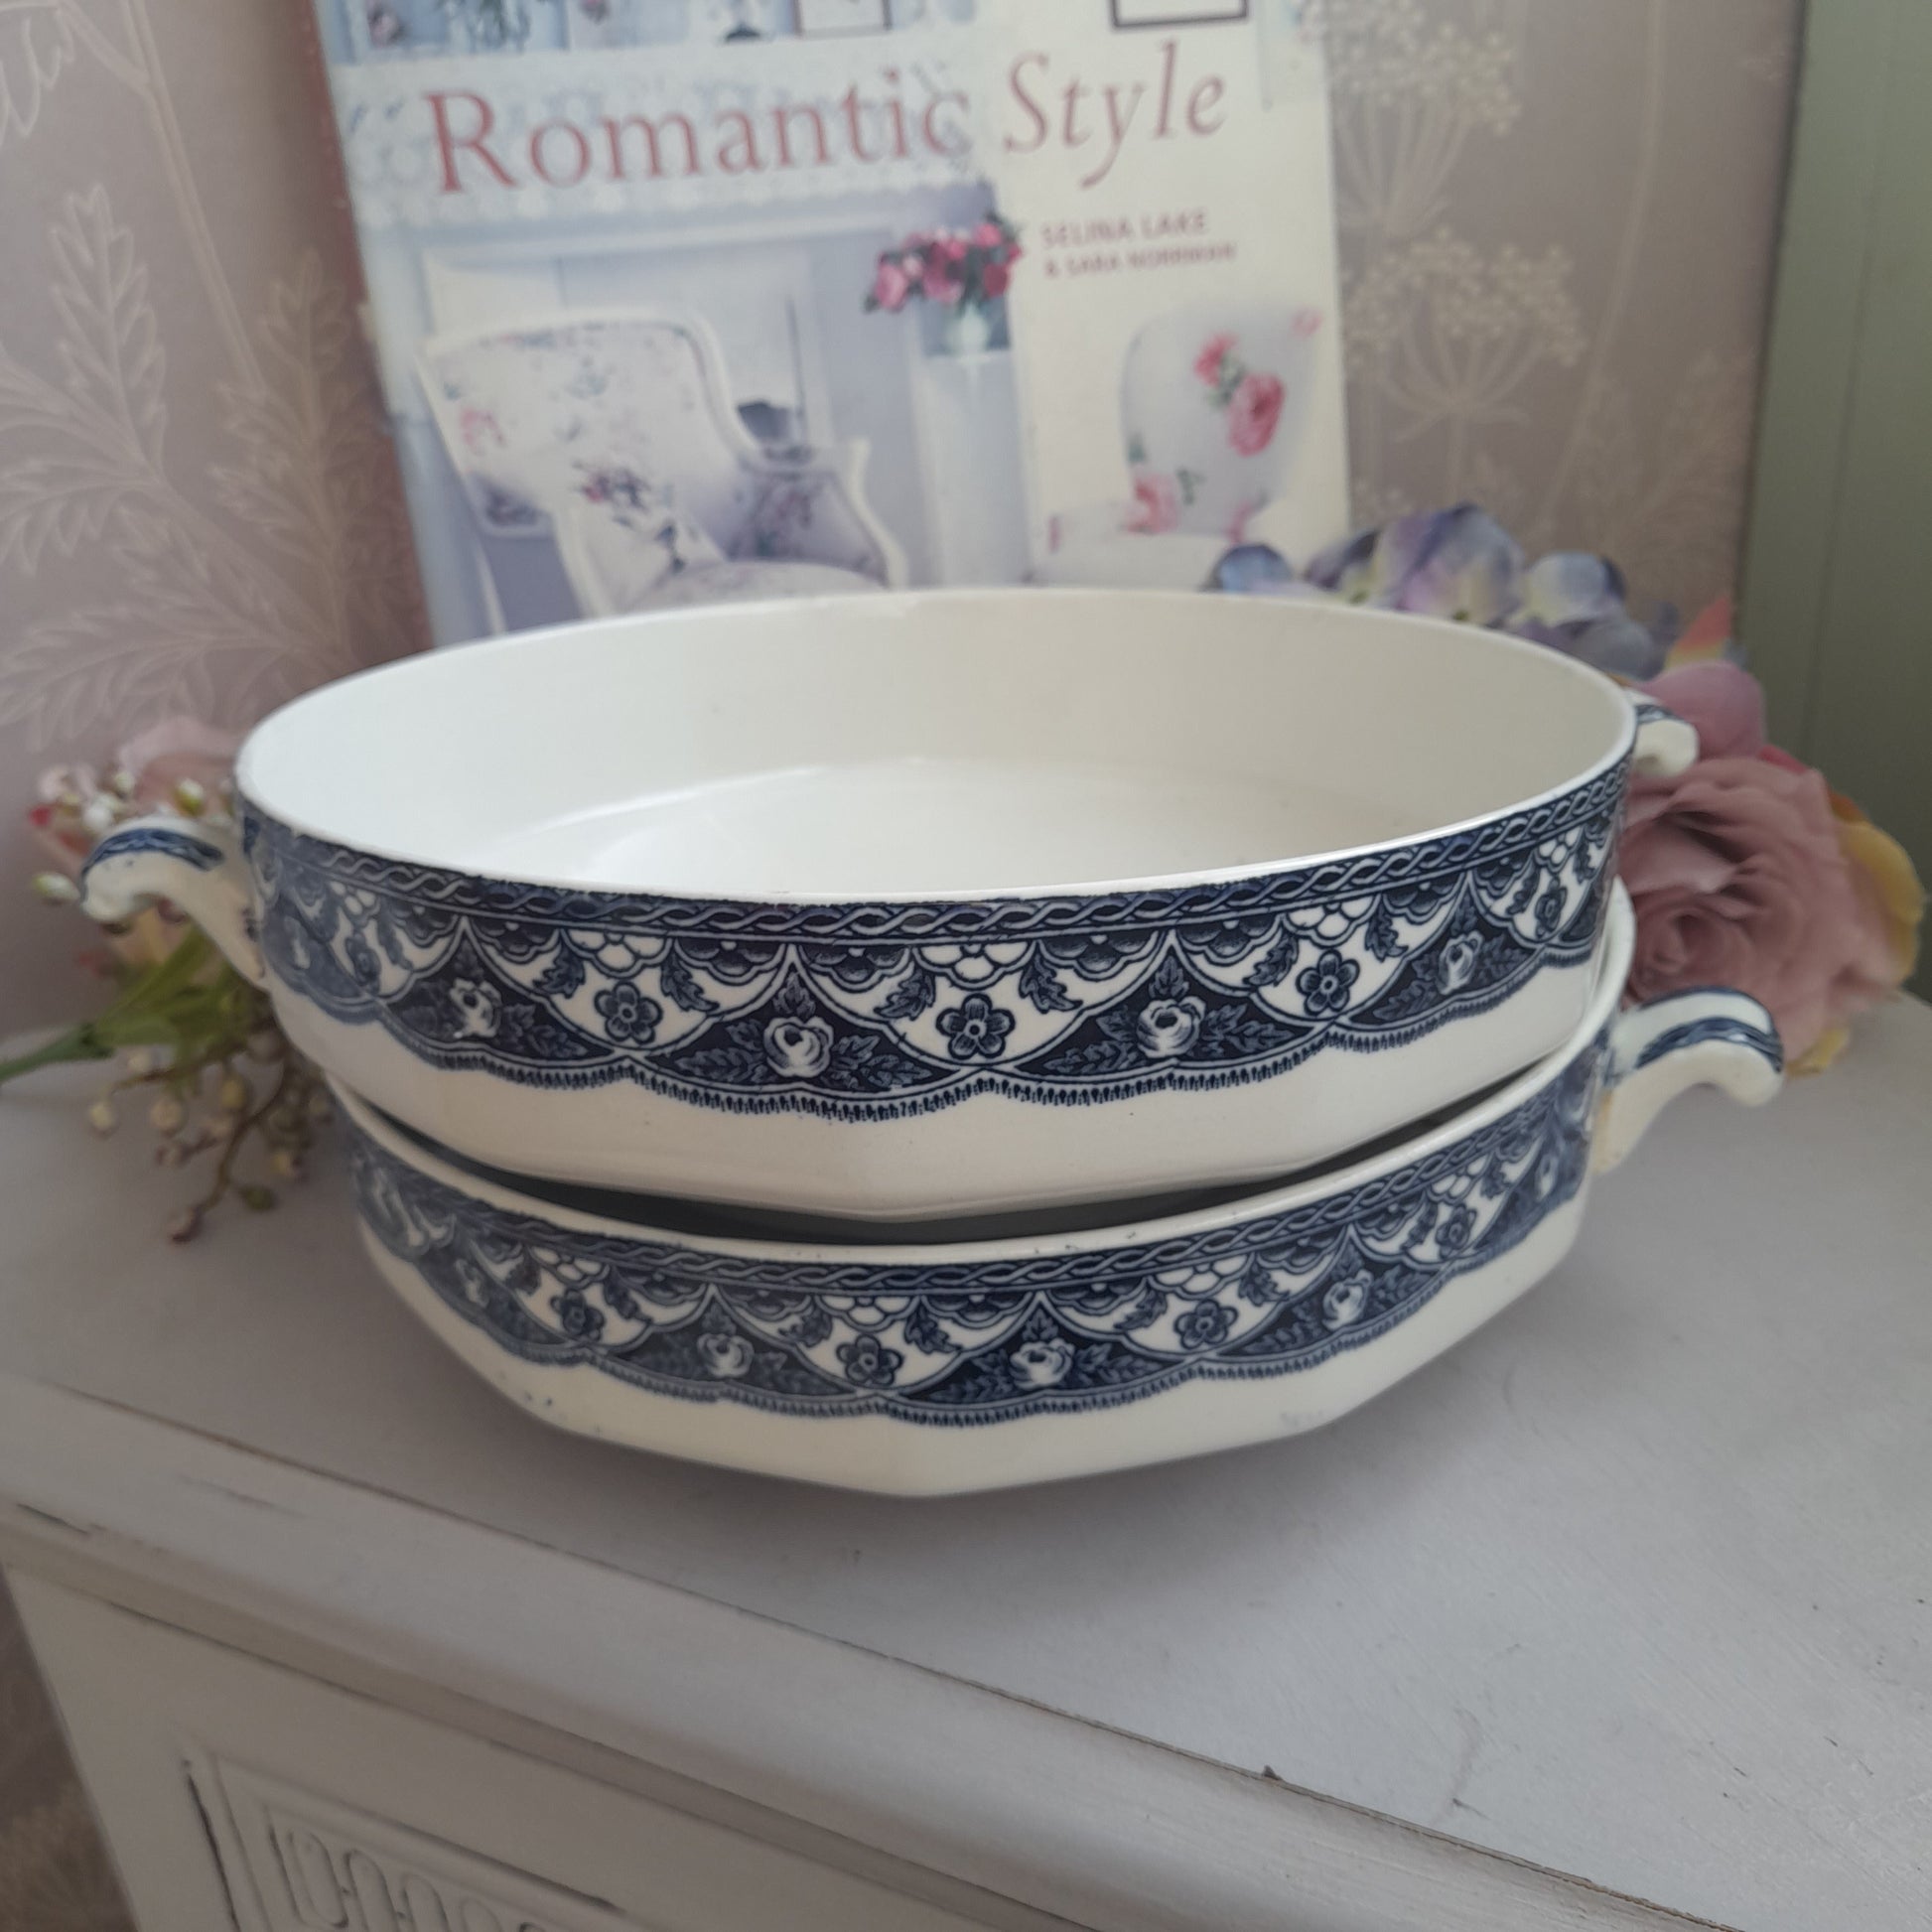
x: 1838, y: 580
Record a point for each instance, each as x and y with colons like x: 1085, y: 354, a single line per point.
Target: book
x: 677, y: 301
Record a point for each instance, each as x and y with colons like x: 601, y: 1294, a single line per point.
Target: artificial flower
x: 183, y: 1021
x: 1461, y: 563
x: 1747, y: 871
x: 179, y: 765
x: 1575, y: 603
x: 1259, y: 570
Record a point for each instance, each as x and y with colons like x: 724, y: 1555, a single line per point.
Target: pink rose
x: 1723, y: 702
x: 1156, y: 503
x: 890, y: 286
x: 1740, y: 875
x: 988, y: 235
x: 1253, y: 411
x: 995, y: 278
x: 1207, y: 364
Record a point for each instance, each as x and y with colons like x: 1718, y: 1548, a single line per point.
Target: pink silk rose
x: 1743, y: 873
x: 1253, y: 411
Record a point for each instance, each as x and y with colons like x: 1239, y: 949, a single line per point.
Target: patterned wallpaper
x: 1558, y: 224
x: 197, y: 506
x: 1558, y: 221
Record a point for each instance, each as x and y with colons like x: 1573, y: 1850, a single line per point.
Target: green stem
x: 140, y: 1015
x: 82, y: 1042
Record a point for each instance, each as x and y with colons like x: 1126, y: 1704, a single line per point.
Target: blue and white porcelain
x: 913, y: 905
x: 948, y: 1367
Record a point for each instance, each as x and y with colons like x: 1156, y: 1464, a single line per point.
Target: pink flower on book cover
x: 1215, y: 351
x: 1254, y: 410
x: 1156, y: 503
x: 950, y: 267
x: 478, y: 429
x: 892, y: 286
x: 1251, y: 400
x: 944, y: 279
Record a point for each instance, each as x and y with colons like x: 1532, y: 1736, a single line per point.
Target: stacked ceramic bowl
x: 785, y: 1034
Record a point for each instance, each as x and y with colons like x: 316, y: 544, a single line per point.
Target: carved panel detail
x: 317, y: 1866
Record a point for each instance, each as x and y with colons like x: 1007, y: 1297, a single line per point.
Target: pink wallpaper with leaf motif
x: 199, y: 510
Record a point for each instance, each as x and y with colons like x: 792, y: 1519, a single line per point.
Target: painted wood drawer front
x: 235, y: 1792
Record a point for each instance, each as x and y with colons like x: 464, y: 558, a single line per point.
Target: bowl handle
x: 1713, y: 1038
x: 1667, y: 745
x: 198, y: 865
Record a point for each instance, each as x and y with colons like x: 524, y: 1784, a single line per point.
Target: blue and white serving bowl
x: 950, y: 1367
x: 917, y: 906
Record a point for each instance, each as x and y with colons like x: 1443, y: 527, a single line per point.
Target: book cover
x: 677, y: 301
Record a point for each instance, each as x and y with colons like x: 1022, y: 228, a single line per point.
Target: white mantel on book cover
x: 683, y: 300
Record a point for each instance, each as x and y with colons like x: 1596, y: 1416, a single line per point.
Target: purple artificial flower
x: 1343, y: 568
x: 1257, y: 570
x: 1575, y: 604
x: 1460, y: 564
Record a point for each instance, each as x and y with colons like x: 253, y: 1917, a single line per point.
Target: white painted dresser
x: 1626, y: 1600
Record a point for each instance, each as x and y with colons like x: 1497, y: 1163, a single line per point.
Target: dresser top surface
x: 1634, y: 1583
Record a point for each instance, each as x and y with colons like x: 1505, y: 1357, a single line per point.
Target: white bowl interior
x: 933, y: 744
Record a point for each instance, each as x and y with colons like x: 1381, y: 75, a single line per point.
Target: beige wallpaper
x: 1558, y: 224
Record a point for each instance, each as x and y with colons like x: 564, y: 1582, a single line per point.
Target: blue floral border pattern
x: 990, y: 1340
x: 126, y: 842
x: 869, y: 1012
x: 1717, y: 1027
